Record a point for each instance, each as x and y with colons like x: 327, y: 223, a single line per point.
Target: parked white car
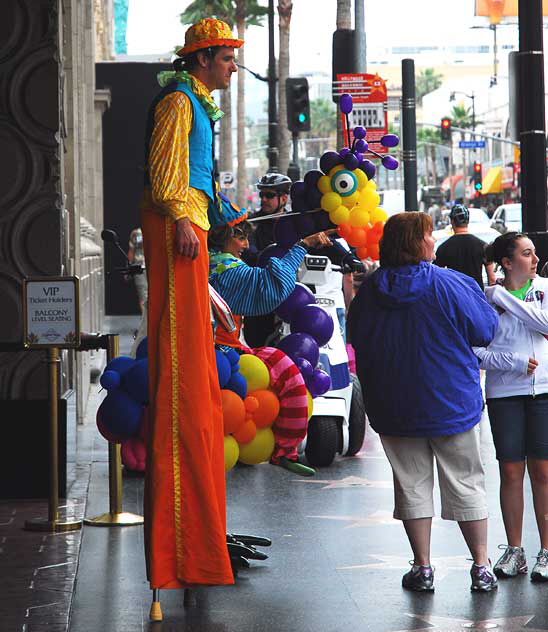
x: 507, y: 217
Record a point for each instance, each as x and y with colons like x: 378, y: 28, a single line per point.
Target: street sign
x: 370, y: 105
x: 51, y: 312
x: 227, y: 179
x: 471, y: 144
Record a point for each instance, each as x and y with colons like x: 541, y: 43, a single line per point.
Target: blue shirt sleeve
x: 251, y: 291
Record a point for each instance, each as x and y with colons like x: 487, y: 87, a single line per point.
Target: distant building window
x: 508, y: 46
x: 470, y: 49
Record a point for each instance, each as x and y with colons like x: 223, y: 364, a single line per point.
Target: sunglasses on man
x: 267, y: 194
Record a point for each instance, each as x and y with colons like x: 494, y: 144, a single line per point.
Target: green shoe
x: 296, y: 467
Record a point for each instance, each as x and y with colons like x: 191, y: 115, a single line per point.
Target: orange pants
x: 185, y: 513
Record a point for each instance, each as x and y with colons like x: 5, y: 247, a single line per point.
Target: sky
x: 154, y: 27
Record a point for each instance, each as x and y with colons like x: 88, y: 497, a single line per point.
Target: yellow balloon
x: 255, y: 372
x: 309, y: 403
x: 362, y: 178
x: 378, y: 215
x: 232, y: 452
x: 359, y: 217
x: 372, y: 184
x: 324, y: 184
x: 351, y: 200
x: 369, y: 199
x: 334, y: 170
x: 258, y: 449
x: 340, y: 215
x: 330, y: 201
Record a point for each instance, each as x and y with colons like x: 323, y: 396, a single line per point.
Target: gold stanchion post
x: 115, y: 517
x: 52, y: 523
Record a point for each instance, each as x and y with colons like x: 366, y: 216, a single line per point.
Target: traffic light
x: 445, y: 128
x: 298, y: 104
x: 476, y: 178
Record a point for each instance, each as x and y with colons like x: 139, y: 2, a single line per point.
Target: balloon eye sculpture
x: 345, y: 189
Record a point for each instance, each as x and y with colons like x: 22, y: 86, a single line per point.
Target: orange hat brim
x: 191, y: 48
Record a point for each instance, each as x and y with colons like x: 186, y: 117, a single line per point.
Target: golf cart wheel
x: 321, y: 441
x: 357, y: 421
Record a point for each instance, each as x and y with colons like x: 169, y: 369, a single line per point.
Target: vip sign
x: 51, y: 312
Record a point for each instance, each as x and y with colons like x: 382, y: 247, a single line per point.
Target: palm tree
x: 323, y: 124
x: 431, y: 138
x: 427, y: 81
x: 461, y: 116
x: 285, y: 8
x: 247, y: 13
x: 343, y: 21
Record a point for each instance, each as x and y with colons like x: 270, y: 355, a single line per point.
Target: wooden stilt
x: 189, y: 598
x: 155, y: 608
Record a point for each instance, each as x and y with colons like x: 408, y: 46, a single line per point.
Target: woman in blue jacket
x: 413, y: 326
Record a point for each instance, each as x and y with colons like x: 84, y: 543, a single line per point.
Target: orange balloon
x: 268, y: 409
x: 358, y: 237
x: 373, y: 252
x: 233, y: 411
x: 251, y: 403
x: 344, y: 230
x: 362, y: 252
x: 245, y: 433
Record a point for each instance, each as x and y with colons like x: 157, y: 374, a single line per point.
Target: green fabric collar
x: 182, y: 76
x: 522, y: 291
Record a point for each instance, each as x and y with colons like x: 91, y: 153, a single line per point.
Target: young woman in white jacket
x: 516, y: 385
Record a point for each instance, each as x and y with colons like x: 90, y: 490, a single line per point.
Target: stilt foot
x: 189, y: 598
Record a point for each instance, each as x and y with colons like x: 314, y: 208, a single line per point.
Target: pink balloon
x: 134, y: 454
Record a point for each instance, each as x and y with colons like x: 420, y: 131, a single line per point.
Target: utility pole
x: 359, y: 37
x: 533, y: 132
x: 409, y: 135
x: 272, y: 107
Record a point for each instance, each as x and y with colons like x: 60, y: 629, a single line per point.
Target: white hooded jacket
x: 521, y: 334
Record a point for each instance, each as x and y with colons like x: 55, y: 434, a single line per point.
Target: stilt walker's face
x: 221, y: 68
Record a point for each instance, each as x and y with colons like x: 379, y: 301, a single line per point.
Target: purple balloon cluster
x: 311, y: 327
x: 352, y: 156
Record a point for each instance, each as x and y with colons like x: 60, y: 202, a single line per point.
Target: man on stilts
x: 185, y: 512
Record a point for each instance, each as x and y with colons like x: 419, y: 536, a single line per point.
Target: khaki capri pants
x: 460, y: 474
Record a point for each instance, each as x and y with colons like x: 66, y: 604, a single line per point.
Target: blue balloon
x: 300, y: 346
x: 142, y: 349
x: 224, y: 370
x: 298, y: 202
x: 318, y: 383
x: 311, y: 178
x: 135, y: 381
x: 304, y: 367
x: 313, y: 198
x: 361, y: 145
x: 345, y: 103
x: 305, y: 225
x: 120, y: 364
x: 360, y: 132
x: 110, y: 380
x: 285, y: 232
x: 389, y: 140
x: 238, y: 384
x: 121, y: 414
x: 368, y: 168
x: 234, y: 358
x: 300, y: 296
x: 274, y: 250
x: 351, y: 161
x: 297, y: 188
x: 329, y: 160
x: 389, y: 162
x: 313, y: 320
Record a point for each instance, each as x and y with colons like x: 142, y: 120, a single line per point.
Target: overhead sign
x: 471, y: 144
x: 51, y: 312
x: 370, y: 105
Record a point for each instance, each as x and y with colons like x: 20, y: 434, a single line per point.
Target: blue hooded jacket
x: 413, y: 328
